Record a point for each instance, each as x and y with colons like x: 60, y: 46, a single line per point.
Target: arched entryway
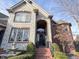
x: 41, y: 33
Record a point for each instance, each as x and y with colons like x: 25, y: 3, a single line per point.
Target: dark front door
x: 41, y: 33
x: 41, y: 39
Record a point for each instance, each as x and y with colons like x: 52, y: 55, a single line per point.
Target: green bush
x: 54, y: 47
x: 55, y: 50
x: 60, y: 55
x: 30, y: 48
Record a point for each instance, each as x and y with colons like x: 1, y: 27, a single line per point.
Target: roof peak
x: 32, y: 4
x: 28, y: 0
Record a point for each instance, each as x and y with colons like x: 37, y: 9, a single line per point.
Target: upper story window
x: 19, y: 35
x: 65, y: 30
x: 23, y: 17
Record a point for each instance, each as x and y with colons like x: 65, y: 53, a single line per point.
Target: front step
x: 43, y: 53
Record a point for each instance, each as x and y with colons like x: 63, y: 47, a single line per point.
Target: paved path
x: 73, y: 57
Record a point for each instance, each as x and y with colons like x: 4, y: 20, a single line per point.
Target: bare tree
x: 71, y: 7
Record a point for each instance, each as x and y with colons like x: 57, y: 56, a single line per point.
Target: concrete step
x: 43, y: 53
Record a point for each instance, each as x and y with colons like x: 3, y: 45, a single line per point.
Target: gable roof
x: 3, y: 15
x: 60, y: 22
x: 17, y: 4
x: 32, y: 4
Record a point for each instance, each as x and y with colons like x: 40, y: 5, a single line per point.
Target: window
x: 19, y: 35
x: 65, y: 30
x: 23, y: 17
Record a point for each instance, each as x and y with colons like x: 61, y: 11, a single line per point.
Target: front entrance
x: 41, y: 33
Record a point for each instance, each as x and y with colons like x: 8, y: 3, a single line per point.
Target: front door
x: 41, y: 33
x: 41, y: 38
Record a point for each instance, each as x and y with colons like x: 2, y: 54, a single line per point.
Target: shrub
x: 56, y: 52
x: 30, y: 48
x: 60, y: 55
x: 54, y: 47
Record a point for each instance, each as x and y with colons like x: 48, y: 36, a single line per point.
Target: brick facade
x: 65, y: 30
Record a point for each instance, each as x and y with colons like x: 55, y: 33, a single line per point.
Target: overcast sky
x: 49, y: 6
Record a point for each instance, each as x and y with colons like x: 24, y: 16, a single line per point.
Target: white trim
x: 32, y: 5
x: 14, y: 6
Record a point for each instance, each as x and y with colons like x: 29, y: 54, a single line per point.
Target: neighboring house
x: 65, y: 29
x: 27, y: 23
x: 3, y: 24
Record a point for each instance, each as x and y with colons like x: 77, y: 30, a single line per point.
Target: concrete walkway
x: 73, y: 57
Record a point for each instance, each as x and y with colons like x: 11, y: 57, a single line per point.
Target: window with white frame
x: 19, y: 35
x: 23, y: 17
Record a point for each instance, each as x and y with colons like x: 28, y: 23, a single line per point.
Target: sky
x: 50, y: 6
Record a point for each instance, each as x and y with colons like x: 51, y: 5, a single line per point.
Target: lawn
x: 23, y: 56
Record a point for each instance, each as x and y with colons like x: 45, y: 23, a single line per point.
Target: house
x: 3, y: 24
x: 66, y: 34
x: 27, y: 23
x: 26, y: 18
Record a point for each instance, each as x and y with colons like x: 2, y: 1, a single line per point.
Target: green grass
x: 23, y: 56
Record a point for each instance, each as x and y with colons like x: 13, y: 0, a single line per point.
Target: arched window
x: 23, y: 17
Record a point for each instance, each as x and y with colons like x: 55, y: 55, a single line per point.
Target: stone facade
x: 26, y: 6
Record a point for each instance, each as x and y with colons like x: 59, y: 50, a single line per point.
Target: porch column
x: 33, y: 27
x: 49, y: 35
